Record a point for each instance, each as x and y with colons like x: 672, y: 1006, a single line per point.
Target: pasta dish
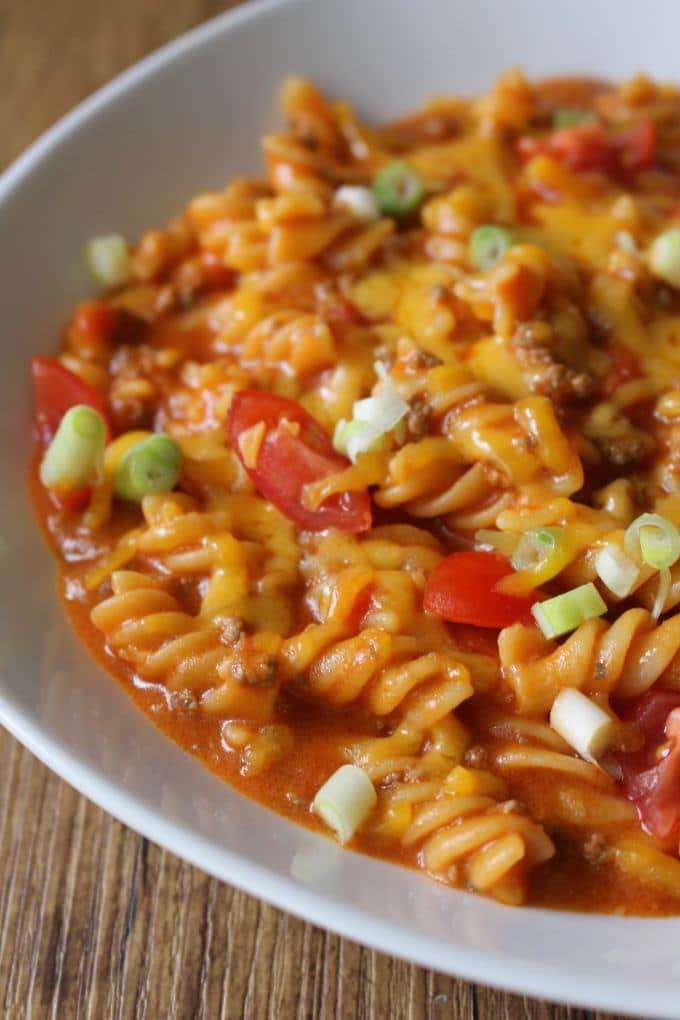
x: 363, y: 482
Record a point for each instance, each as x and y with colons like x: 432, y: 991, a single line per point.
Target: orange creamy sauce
x: 568, y: 882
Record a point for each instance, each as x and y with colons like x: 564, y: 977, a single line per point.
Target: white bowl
x: 180, y: 122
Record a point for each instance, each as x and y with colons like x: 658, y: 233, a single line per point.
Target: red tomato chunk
x: 589, y: 147
x: 461, y: 589
x: 55, y: 390
x: 651, y: 776
x: 288, y: 460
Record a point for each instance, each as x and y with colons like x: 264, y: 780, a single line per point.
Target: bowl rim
x: 488, y: 967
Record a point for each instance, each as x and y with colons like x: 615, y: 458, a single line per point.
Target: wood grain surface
x: 95, y: 921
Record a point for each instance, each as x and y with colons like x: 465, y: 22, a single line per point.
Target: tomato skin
x: 287, y: 461
x: 650, y: 782
x: 461, y: 590
x: 56, y: 389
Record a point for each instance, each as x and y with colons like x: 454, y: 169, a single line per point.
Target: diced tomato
x: 462, y: 589
x: 56, y: 389
x: 624, y: 366
x: 582, y: 147
x: 589, y: 146
x: 290, y: 458
x: 637, y: 146
x: 93, y: 323
x: 651, y: 776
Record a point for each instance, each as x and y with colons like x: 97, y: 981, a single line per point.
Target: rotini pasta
x: 366, y: 480
x: 143, y: 625
x: 623, y: 659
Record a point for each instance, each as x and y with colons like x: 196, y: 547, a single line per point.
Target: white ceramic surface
x: 183, y: 121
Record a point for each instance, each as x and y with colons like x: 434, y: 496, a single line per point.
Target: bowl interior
x: 182, y: 122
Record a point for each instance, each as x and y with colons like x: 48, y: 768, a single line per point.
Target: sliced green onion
x: 566, y: 612
x: 582, y: 723
x: 488, y: 244
x: 660, y: 551
x: 383, y: 373
x: 354, y: 437
x: 618, y: 571
x: 661, y: 592
x: 75, y: 457
x: 536, y: 545
x: 360, y: 202
x: 655, y: 539
x: 109, y: 260
x: 569, y: 117
x: 398, y: 190
x: 386, y: 409
x: 504, y: 541
x: 345, y: 801
x: 372, y: 418
x: 151, y: 465
x: 344, y: 430
x: 664, y: 257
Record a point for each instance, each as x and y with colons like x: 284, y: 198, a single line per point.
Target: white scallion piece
x: 655, y: 539
x: 372, y: 418
x: 360, y: 202
x: 109, y: 260
x: 582, y: 723
x: 566, y: 612
x: 354, y: 437
x: 618, y: 571
x: 662, y: 591
x: 664, y: 257
x: 536, y: 545
x: 345, y: 801
x: 385, y: 409
x: 75, y: 457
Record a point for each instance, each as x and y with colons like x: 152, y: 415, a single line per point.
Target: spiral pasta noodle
x: 381, y: 665
x: 145, y: 626
x: 624, y: 659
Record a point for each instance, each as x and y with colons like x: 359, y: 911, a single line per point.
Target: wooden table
x: 95, y: 921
